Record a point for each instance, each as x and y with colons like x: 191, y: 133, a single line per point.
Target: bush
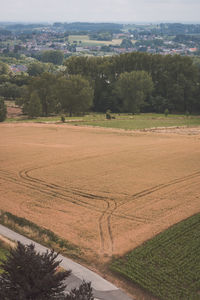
x: 108, y: 115
x: 166, y: 112
x: 62, y: 118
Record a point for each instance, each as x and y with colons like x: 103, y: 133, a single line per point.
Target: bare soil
x: 13, y: 111
x: 105, y: 190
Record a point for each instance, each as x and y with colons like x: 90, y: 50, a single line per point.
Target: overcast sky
x: 100, y: 10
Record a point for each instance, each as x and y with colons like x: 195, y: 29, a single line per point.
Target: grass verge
x: 142, y: 121
x: 39, y: 234
x: 168, y: 266
x: 120, y: 121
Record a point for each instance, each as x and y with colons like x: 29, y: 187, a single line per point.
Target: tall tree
x: 34, y: 107
x: 74, y: 94
x: 3, y: 110
x: 29, y: 275
x: 44, y: 85
x: 132, y: 89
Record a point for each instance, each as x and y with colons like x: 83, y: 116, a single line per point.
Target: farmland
x: 85, y: 41
x: 168, y: 265
x: 104, y: 190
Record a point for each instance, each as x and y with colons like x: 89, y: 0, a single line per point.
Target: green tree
x: 74, y: 94
x: 132, y: 89
x: 34, y: 107
x: 4, y: 68
x: 10, y: 90
x: 35, y: 69
x: 126, y: 43
x: 29, y: 275
x: 52, y: 56
x: 3, y: 110
x: 45, y: 86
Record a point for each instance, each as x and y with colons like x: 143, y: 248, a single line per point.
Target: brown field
x: 105, y: 190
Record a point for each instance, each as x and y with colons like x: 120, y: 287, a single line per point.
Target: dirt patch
x: 184, y: 130
x: 105, y: 190
x: 13, y: 111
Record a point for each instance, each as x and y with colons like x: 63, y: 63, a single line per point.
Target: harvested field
x: 105, y: 190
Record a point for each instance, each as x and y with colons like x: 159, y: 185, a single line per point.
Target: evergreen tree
x: 3, y: 110
x: 34, y: 108
x: 29, y: 275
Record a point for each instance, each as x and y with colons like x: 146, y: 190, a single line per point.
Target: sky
x: 126, y: 11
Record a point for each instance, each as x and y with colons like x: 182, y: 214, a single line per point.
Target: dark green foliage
x: 34, y: 107
x: 44, y: 86
x: 52, y: 56
x: 132, y: 89
x: 126, y: 43
x: 84, y: 292
x: 31, y: 275
x: 4, y: 69
x: 175, y: 79
x: 74, y: 94
x: 10, y: 90
x: 35, y: 69
x: 3, y: 110
x: 168, y: 266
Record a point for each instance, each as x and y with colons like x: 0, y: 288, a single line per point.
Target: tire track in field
x: 156, y: 188
x: 104, y: 224
x: 46, y: 188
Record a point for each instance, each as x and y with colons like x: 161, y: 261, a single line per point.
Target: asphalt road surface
x: 102, y: 289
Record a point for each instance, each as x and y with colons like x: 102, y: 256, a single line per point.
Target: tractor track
x: 104, y: 219
x: 69, y: 194
x: 57, y: 191
x: 156, y: 188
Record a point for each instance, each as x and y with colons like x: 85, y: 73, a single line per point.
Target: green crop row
x: 168, y: 266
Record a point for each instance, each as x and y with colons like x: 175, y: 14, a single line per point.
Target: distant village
x: 31, y: 40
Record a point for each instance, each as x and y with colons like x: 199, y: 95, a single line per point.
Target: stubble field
x: 105, y: 190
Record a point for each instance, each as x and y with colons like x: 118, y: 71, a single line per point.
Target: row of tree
x: 126, y: 83
x: 176, y: 80
x: 50, y: 93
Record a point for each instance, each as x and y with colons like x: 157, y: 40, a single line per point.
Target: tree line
x: 133, y: 82
x: 176, y: 81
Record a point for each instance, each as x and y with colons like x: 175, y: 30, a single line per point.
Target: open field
x: 104, y: 190
x: 168, y: 265
x: 85, y: 41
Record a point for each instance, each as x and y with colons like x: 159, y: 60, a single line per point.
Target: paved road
x: 102, y: 289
